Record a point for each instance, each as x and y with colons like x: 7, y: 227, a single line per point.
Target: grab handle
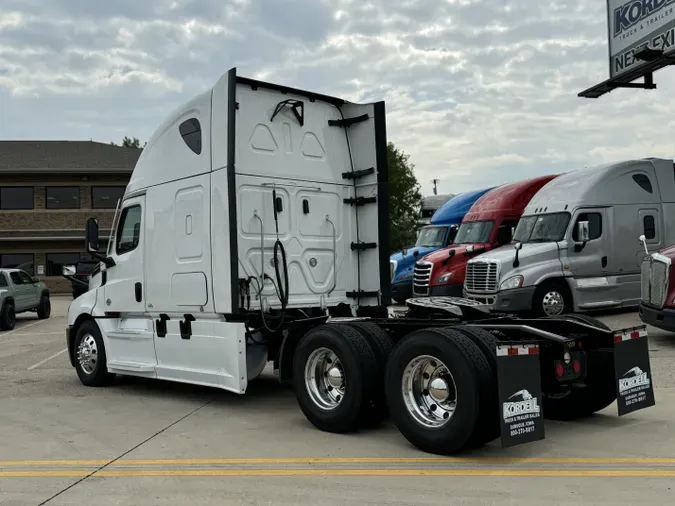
x: 334, y: 255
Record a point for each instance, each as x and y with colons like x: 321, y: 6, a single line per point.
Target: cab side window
x: 27, y: 280
x: 3, y: 281
x: 16, y: 279
x: 594, y: 226
x: 128, y: 230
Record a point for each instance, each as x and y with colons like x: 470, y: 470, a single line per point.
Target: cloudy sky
x: 478, y: 92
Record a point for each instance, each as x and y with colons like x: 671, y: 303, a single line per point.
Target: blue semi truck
x: 438, y: 234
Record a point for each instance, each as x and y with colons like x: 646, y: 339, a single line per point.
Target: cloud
x: 478, y: 92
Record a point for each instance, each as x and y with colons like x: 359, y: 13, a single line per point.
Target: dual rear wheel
x: 439, y: 385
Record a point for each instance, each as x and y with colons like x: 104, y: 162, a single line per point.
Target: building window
x: 129, y: 230
x: 24, y: 261
x: 106, y: 197
x: 63, y: 197
x: 191, y: 132
x: 16, y: 197
x: 56, y: 260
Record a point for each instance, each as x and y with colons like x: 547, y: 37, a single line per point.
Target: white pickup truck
x: 20, y: 293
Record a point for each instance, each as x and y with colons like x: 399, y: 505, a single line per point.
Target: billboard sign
x: 634, y: 24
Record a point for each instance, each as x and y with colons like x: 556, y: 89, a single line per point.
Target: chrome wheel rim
x: 87, y: 354
x: 553, y: 303
x: 325, y: 379
x: 429, y: 391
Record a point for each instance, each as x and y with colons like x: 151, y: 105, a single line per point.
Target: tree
x: 130, y: 143
x: 405, y: 199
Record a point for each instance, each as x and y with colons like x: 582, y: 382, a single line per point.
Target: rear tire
x: 436, y: 417
x: 600, y: 391
x: 334, y: 377
x: 382, y: 345
x: 90, y: 357
x: 44, y: 309
x: 7, y: 316
x: 488, y: 428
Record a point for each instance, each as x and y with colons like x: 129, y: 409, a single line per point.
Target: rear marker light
x: 577, y: 366
x: 559, y: 370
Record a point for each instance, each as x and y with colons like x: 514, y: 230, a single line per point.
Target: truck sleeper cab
x: 488, y: 225
x: 575, y: 248
x: 254, y: 230
x: 440, y: 233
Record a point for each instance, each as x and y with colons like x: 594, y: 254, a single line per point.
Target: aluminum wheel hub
x: 87, y: 354
x: 325, y: 379
x: 429, y: 391
x: 553, y: 303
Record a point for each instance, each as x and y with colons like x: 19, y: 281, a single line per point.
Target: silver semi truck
x: 576, y: 247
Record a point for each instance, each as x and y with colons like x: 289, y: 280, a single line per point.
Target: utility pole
x: 435, y: 181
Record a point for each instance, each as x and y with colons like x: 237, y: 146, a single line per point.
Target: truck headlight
x: 512, y: 282
x: 444, y: 278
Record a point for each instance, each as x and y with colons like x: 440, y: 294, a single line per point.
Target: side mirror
x: 583, y: 231
x: 68, y: 270
x: 91, y: 235
x: 35, y: 279
x: 416, y: 253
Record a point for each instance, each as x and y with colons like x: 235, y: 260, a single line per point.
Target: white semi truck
x: 254, y: 229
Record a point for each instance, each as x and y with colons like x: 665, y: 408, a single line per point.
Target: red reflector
x: 513, y: 351
x: 577, y: 366
x: 617, y: 339
x: 634, y: 335
x: 580, y: 345
x: 559, y: 370
x: 533, y: 351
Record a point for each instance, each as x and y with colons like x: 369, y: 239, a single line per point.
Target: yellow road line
x: 344, y: 460
x: 557, y: 473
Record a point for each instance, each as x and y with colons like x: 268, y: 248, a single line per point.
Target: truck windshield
x: 431, y: 237
x: 542, y: 228
x: 474, y: 232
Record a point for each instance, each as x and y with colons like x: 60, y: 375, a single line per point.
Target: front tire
x: 7, y: 316
x: 90, y: 357
x: 44, y: 309
x: 552, y: 298
x: 435, y: 382
x: 335, y: 377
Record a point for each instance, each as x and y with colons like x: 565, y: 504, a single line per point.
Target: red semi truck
x: 488, y: 225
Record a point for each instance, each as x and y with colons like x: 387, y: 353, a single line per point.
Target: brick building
x: 48, y: 189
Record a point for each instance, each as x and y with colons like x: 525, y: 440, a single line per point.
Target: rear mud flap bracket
x: 521, y: 413
x: 633, y: 373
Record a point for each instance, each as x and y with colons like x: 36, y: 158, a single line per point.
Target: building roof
x: 66, y: 157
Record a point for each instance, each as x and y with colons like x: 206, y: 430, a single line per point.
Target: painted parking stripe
x: 47, y: 359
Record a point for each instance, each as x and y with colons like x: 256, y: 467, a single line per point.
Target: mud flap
x: 634, y: 385
x: 520, y: 396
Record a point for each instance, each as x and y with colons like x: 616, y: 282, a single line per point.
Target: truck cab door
x: 20, y: 293
x: 31, y: 290
x: 130, y: 336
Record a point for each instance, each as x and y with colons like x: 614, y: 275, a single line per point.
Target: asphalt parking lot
x: 147, y: 442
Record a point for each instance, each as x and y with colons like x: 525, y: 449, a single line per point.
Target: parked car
x: 20, y: 293
x: 576, y: 246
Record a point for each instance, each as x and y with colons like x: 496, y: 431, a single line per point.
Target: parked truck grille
x: 422, y: 278
x: 654, y: 281
x: 481, y: 277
